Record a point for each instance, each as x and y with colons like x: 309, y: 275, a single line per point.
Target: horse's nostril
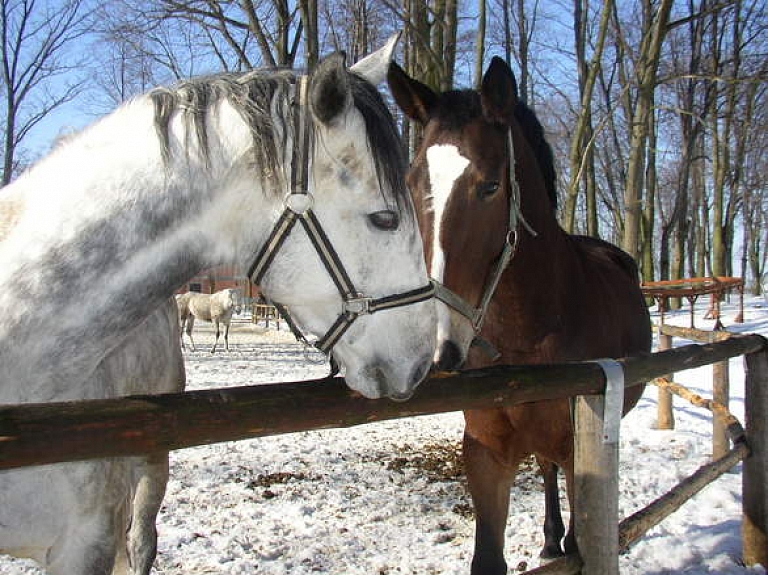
x: 420, y: 372
x: 449, y: 356
x: 377, y: 374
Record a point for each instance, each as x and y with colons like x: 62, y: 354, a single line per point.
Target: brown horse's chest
x: 512, y: 433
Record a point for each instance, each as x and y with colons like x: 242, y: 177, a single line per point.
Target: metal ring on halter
x: 299, y: 202
x: 358, y: 305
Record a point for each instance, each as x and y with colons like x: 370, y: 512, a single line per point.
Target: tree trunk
x: 309, y: 22
x: 480, y: 43
x: 523, y: 52
x: 647, y: 68
x: 582, y: 151
x: 647, y: 258
x: 449, y: 46
x: 9, y: 146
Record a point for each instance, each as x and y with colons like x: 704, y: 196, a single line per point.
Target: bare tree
x: 754, y: 182
x: 480, y: 42
x: 37, y: 76
x: 431, y: 28
x: 222, y: 34
x: 357, y: 26
x: 582, y: 164
x: 646, y: 68
x: 690, y: 103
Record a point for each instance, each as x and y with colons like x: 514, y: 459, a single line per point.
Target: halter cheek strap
x: 298, y: 208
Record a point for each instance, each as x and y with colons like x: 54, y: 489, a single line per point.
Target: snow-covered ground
x: 390, y: 498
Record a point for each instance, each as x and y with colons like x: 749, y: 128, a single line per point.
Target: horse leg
x: 190, y: 325
x: 570, y: 538
x: 182, y: 321
x: 226, y: 335
x: 489, y: 482
x: 554, y: 529
x: 152, y: 478
x: 89, y: 549
x: 216, y: 341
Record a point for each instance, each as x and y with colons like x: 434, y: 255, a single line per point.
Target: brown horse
x: 535, y: 292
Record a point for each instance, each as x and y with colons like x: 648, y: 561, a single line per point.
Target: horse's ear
x: 498, y: 93
x: 414, y: 98
x: 329, y: 92
x: 374, y: 66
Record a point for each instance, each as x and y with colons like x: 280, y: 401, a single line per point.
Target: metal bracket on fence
x: 614, y: 399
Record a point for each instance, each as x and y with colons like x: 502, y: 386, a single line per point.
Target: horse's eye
x: 487, y: 189
x: 386, y: 220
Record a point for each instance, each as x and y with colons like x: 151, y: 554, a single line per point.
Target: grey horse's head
x: 234, y: 300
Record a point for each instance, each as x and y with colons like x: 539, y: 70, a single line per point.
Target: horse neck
x: 529, y: 297
x: 104, y: 238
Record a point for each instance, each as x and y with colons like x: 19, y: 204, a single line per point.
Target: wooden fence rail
x: 720, y: 381
x: 54, y: 432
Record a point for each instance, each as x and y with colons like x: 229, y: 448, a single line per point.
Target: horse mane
x: 456, y: 108
x: 534, y: 133
x: 263, y: 100
x: 251, y: 94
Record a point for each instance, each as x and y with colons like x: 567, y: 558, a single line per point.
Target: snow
x: 389, y: 498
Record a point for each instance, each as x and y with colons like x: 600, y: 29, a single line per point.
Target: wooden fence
x: 50, y: 433
x: 720, y: 382
x: 265, y: 313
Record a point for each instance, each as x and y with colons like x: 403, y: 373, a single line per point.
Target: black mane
x: 534, y: 133
x: 383, y: 139
x: 255, y: 95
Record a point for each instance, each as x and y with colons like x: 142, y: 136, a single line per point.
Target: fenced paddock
x: 222, y: 414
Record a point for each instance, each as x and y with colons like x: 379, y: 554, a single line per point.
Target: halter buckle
x: 299, y: 202
x: 359, y: 305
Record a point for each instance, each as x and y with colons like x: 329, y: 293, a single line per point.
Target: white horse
x: 147, y: 361
x: 216, y: 308
x: 175, y: 182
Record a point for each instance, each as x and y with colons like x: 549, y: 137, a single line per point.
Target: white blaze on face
x: 445, y: 165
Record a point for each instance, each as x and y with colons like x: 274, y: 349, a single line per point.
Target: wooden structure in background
x: 691, y: 289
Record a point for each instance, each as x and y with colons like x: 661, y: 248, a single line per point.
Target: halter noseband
x: 298, y: 207
x: 476, y: 315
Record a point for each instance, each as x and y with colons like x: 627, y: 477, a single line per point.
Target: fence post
x: 666, y: 419
x: 721, y: 395
x: 596, y: 487
x: 755, y: 473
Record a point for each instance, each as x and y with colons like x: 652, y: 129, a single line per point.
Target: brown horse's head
x: 461, y: 184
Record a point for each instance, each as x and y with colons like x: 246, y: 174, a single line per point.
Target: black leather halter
x: 298, y: 207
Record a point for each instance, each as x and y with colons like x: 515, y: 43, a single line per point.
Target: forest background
x: 656, y: 109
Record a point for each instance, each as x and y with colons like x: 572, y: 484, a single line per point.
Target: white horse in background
x: 216, y: 308
x: 179, y: 180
